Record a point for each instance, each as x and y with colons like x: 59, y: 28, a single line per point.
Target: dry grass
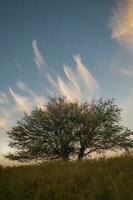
x: 110, y: 179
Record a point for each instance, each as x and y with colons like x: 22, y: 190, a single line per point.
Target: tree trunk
x: 65, y: 157
x: 81, y: 153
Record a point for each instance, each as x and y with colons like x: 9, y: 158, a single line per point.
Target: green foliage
x: 65, y: 128
x: 100, y: 128
x: 110, y: 179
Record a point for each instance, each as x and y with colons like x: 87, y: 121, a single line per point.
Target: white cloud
x: 3, y: 98
x: 80, y: 82
x: 3, y: 122
x: 23, y: 87
x: 23, y: 103
x: 86, y: 76
x: 7, y: 116
x: 121, y: 25
x: 67, y: 89
x: 36, y: 100
x: 52, y: 80
x: 72, y: 78
x: 122, y: 22
x: 38, y: 58
x: 30, y: 100
x: 127, y: 72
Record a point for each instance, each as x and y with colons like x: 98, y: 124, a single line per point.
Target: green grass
x: 102, y: 179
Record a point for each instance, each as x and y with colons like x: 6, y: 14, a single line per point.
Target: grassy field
x: 102, y: 179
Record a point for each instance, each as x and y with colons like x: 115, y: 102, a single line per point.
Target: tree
x: 100, y: 129
x: 48, y: 133
x: 65, y: 128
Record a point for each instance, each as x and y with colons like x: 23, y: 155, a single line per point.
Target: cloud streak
x: 38, y: 58
x: 30, y: 100
x: 80, y: 82
x: 85, y: 75
x: 37, y: 100
x: 23, y: 103
x: 15, y: 102
x: 3, y: 98
x: 72, y: 78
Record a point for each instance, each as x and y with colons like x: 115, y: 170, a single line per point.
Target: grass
x: 104, y: 179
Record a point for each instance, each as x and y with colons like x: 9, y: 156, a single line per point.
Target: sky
x: 82, y: 49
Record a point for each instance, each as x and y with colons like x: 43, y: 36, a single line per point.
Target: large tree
x: 47, y: 133
x: 65, y: 128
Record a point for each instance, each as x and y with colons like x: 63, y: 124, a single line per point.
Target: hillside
x: 102, y: 179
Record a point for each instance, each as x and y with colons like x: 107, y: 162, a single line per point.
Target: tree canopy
x: 66, y: 128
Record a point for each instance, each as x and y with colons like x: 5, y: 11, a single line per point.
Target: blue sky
x: 80, y: 48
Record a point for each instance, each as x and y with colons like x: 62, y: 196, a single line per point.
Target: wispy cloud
x: 122, y: 22
x: 67, y: 89
x: 52, y: 80
x: 80, y: 82
x: 3, y: 122
x: 127, y: 72
x: 23, y: 87
x: 18, y: 65
x: 72, y: 78
x: 38, y: 58
x: 28, y: 101
x: 85, y: 75
x: 3, y: 98
x: 23, y: 103
x: 16, y: 101
x: 37, y: 100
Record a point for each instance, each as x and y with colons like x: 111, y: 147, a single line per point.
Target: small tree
x: 63, y: 128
